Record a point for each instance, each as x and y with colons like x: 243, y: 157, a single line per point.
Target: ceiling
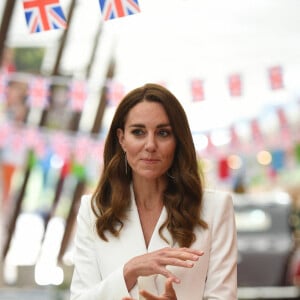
x: 174, y: 41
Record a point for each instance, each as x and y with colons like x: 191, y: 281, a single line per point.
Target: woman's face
x: 148, y: 140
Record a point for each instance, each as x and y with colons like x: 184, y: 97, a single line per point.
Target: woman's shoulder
x: 86, y: 198
x: 86, y: 201
x: 213, y: 199
x: 215, y: 193
x: 85, y: 205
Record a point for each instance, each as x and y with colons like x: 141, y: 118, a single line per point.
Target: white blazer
x: 98, y: 265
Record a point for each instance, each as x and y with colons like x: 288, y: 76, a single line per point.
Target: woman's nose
x: 150, y: 143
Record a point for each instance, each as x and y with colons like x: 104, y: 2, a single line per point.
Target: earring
x: 126, y: 164
x: 170, y: 176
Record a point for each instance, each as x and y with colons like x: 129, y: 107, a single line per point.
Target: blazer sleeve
x: 222, y: 270
x: 87, y: 282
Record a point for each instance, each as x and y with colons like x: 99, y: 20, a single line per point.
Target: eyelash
x: 164, y: 132
x: 161, y: 132
x: 137, y: 132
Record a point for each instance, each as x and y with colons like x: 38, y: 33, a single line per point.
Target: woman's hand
x: 156, y: 262
x: 169, y: 293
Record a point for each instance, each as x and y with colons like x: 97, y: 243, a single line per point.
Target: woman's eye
x: 137, y: 132
x: 164, y: 133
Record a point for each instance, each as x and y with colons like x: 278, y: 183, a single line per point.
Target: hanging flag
x: 61, y: 144
x: 7, y: 171
x: 77, y: 94
x: 5, y: 133
x: 82, y: 146
x: 235, y: 85
x: 96, y: 152
x: 282, y: 117
x: 112, y: 9
x: 35, y: 140
x: 16, y: 141
x: 256, y: 132
x: 197, y: 90
x: 38, y: 92
x: 278, y: 159
x: 114, y: 92
x: 276, y: 78
x: 211, y: 149
x: 3, y: 86
x: 223, y: 168
x: 43, y: 15
x: 235, y: 141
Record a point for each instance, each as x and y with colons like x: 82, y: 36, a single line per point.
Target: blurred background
x: 235, y: 67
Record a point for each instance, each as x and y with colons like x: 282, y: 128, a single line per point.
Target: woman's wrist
x: 129, y: 276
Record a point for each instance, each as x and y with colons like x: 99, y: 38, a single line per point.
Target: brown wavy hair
x: 184, y: 190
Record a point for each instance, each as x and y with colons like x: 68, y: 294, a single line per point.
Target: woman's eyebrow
x: 137, y: 125
x: 164, y: 125
x: 144, y: 126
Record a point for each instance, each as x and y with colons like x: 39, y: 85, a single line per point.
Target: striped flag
x: 82, y: 147
x: 35, y: 140
x: 114, y: 92
x: 61, y: 144
x: 38, y: 92
x: 256, y: 131
x: 43, y: 15
x: 276, y: 78
x: 5, y: 132
x: 77, y: 94
x: 235, y: 85
x: 283, y: 122
x: 197, y: 90
x: 234, y: 137
x: 112, y: 9
x: 223, y: 168
x: 3, y: 86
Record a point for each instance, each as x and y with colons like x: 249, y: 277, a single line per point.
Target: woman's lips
x: 149, y: 160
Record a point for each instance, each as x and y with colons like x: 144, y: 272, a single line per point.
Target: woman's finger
x: 169, y: 290
x: 149, y: 296
x: 169, y: 293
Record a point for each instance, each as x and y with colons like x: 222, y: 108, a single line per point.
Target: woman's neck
x: 149, y: 194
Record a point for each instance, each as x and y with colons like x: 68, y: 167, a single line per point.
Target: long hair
x: 184, y: 191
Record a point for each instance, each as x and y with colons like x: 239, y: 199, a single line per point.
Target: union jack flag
x: 114, y: 92
x: 38, y: 92
x: 83, y: 145
x: 276, y: 77
x: 197, y: 90
x: 61, y: 144
x: 112, y: 9
x: 35, y: 140
x: 3, y: 86
x: 78, y: 93
x: 42, y: 15
x: 235, y: 85
x: 5, y: 130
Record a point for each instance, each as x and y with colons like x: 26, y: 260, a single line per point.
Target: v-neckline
x: 151, y: 243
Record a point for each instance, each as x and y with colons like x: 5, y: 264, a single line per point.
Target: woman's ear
x: 120, y: 134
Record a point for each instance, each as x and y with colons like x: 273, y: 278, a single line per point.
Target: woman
x: 150, y: 231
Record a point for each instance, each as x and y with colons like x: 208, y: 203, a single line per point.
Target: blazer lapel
x: 151, y: 283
